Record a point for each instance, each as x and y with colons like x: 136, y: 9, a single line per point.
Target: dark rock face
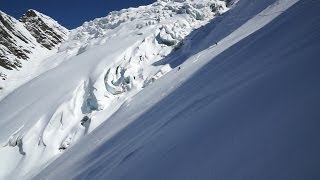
x: 45, y: 35
x: 19, y: 39
x: 8, y: 44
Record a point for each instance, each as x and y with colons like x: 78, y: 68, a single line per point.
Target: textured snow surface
x: 104, y: 63
x: 236, y: 98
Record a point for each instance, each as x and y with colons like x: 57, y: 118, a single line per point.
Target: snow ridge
x: 180, y: 14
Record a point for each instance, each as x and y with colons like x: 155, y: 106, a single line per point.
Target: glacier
x: 166, y: 92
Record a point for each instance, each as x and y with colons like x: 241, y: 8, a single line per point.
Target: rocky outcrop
x: 47, y: 32
x: 14, y: 44
x: 19, y: 39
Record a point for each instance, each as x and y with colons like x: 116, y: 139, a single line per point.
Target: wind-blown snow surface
x: 245, y: 108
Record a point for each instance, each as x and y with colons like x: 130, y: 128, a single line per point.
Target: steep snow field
x: 250, y: 111
x: 240, y: 102
x: 104, y: 63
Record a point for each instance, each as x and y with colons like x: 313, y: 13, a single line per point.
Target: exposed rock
x: 47, y: 32
x: 14, y: 46
x: 20, y: 39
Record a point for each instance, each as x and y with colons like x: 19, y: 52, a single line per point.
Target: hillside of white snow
x: 174, y: 90
x: 102, y: 64
x: 24, y: 43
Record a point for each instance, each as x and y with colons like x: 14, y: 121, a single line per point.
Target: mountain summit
x: 33, y: 35
x: 47, y: 31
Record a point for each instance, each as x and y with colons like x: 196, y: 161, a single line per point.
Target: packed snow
x: 173, y: 90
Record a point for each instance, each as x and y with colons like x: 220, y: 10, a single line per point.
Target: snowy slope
x: 246, y: 108
x: 24, y: 43
x: 104, y: 62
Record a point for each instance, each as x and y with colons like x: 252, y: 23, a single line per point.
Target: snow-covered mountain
x: 102, y: 64
x: 179, y: 89
x: 47, y: 31
x: 33, y: 36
